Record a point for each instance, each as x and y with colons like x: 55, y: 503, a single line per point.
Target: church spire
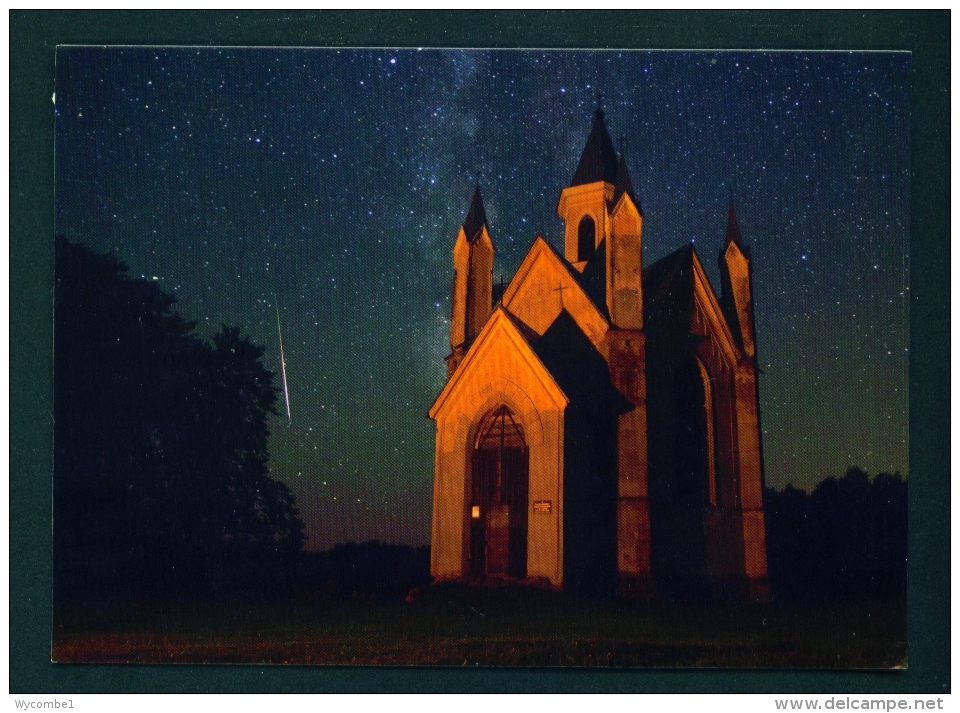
x: 733, y: 228
x: 736, y: 285
x: 599, y: 159
x: 476, y: 216
x: 472, y: 281
x: 623, y: 185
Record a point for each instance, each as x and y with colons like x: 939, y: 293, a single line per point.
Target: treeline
x: 847, y: 540
x: 161, y: 482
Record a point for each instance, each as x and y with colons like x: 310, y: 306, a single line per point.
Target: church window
x: 586, y: 238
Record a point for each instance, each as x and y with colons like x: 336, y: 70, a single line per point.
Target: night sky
x: 331, y: 184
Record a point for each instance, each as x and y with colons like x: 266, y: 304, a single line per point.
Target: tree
x: 161, y: 479
x: 845, y: 540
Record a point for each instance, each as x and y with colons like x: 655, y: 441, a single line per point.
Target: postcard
x: 481, y: 357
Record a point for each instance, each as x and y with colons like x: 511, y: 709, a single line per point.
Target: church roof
x: 599, y: 159
x: 668, y: 287
x: 506, y: 341
x: 578, y: 367
x: 476, y: 216
x: 529, y: 335
x: 591, y: 284
x: 593, y: 287
x: 675, y: 286
x: 543, y: 284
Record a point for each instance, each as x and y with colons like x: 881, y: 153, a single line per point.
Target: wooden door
x: 498, y: 507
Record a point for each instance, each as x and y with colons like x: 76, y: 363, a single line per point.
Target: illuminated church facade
x: 599, y: 428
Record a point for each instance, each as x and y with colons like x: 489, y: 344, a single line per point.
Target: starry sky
x: 330, y: 185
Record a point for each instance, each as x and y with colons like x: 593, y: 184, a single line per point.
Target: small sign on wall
x: 542, y: 507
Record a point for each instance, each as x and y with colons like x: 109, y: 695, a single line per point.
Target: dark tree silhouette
x: 845, y: 540
x: 161, y: 482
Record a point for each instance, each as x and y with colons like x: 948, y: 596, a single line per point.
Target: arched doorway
x: 498, y: 503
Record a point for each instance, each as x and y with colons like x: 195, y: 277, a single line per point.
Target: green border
x: 33, y: 38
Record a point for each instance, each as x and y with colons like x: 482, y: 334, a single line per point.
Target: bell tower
x: 583, y: 204
x: 603, y: 221
x: 472, y: 282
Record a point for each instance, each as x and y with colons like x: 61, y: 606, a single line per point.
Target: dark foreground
x: 453, y: 625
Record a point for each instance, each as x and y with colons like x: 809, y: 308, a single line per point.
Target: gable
x: 543, y: 286
x: 706, y: 309
x: 624, y: 206
x: 678, y: 296
x: 500, y: 352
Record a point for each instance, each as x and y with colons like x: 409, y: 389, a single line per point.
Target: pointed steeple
x: 736, y: 286
x: 473, y: 255
x: 733, y: 228
x: 599, y: 159
x: 476, y: 216
x: 623, y: 185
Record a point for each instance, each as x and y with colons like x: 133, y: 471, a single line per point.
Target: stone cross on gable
x: 560, y: 289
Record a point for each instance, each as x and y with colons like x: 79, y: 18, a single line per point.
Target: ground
x: 454, y: 626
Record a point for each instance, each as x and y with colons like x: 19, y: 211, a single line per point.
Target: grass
x: 458, y: 626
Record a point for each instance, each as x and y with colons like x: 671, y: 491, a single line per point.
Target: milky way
x: 337, y: 180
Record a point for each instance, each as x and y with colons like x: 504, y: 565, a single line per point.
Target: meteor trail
x: 283, y: 362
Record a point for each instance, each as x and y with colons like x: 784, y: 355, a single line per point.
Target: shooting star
x: 283, y: 363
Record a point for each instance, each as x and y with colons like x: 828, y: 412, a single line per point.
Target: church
x: 599, y: 428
